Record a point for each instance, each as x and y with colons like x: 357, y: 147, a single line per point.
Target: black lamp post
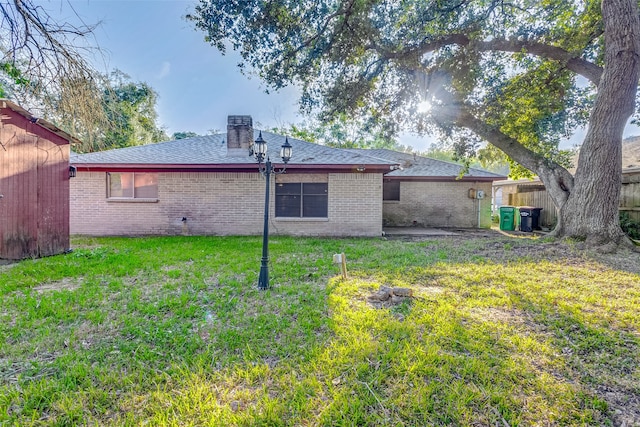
x: 260, y: 151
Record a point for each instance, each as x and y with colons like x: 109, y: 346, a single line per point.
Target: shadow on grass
x: 494, y: 334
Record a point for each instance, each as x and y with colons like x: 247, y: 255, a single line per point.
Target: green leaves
x: 344, y: 133
x: 15, y: 77
x: 367, y: 57
x: 131, y: 117
x: 14, y: 73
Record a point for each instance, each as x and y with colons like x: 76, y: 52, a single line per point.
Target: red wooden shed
x: 34, y: 185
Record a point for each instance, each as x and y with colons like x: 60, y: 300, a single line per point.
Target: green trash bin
x: 508, y: 218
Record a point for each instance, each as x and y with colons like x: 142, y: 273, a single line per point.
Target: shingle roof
x: 212, y: 150
x: 418, y: 166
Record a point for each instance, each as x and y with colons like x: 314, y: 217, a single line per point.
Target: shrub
x: 629, y: 225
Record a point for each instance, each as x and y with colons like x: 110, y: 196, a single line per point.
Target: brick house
x: 433, y: 193
x: 210, y: 185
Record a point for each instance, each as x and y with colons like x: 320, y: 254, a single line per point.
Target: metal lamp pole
x: 260, y: 153
x: 263, y: 279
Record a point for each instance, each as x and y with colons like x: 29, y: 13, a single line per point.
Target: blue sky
x: 198, y: 87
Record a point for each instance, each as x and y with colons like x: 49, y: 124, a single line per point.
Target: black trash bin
x: 529, y: 218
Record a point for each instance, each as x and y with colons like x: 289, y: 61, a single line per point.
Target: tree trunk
x: 588, y: 202
x: 591, y: 210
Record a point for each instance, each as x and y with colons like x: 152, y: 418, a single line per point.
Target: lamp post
x: 260, y: 151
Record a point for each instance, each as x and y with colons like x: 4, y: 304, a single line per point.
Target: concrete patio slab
x: 417, y: 231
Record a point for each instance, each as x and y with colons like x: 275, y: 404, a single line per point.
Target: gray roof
x: 212, y: 150
x: 419, y: 166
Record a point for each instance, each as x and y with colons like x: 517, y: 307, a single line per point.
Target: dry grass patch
x: 66, y: 284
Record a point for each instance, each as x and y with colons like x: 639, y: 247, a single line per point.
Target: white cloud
x: 165, y: 70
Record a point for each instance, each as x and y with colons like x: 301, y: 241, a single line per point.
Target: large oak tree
x: 518, y: 74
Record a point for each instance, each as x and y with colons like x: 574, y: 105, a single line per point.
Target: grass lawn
x: 173, y: 331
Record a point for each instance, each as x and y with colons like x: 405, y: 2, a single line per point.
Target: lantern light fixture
x: 260, y: 152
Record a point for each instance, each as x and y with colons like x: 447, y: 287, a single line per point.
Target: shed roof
x: 414, y: 166
x: 5, y: 103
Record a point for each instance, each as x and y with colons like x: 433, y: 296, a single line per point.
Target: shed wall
x: 34, y: 184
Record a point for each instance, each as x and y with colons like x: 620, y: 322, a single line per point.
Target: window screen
x: 302, y: 200
x: 391, y: 190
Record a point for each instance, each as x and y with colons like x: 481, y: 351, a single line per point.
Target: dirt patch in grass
x: 66, y: 284
x: 508, y: 316
x: 624, y: 406
x: 501, y: 247
x: 6, y: 264
x: 11, y: 371
x: 623, y: 260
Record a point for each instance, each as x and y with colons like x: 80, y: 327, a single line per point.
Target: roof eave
x: 5, y: 103
x: 443, y: 178
x: 225, y: 167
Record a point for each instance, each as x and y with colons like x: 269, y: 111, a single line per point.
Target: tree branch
x: 557, y: 180
x: 573, y: 62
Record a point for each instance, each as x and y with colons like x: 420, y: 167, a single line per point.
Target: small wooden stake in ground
x: 344, y: 266
x: 342, y: 260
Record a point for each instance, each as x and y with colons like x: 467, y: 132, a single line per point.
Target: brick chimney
x: 239, y: 136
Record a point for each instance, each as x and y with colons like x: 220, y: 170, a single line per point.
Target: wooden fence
x: 629, y: 200
x: 630, y: 195
x: 538, y: 199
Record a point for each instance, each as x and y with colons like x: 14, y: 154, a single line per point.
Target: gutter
x: 227, y: 167
x: 444, y: 178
